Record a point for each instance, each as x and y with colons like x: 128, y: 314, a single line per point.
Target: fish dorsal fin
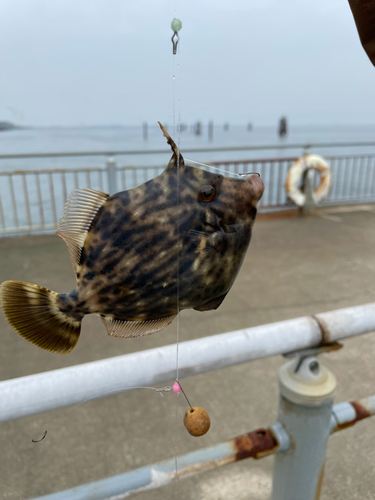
x: 121, y: 328
x: 79, y: 211
x: 172, y: 165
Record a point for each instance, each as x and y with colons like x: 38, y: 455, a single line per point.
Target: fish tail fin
x: 32, y: 311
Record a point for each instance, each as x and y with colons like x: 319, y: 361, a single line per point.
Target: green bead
x: 176, y: 24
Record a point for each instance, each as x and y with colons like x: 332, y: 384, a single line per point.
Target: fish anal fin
x: 211, y: 304
x: 127, y: 329
x: 79, y: 211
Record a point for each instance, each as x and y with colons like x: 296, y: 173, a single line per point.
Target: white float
x: 297, y: 170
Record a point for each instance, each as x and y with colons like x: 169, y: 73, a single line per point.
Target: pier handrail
x: 69, y: 386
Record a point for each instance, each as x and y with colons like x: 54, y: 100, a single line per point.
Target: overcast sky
x: 101, y: 62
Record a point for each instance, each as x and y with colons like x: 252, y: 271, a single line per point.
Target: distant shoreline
x: 6, y: 126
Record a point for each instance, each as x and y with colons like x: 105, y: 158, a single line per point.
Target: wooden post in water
x: 210, y: 130
x: 145, y: 131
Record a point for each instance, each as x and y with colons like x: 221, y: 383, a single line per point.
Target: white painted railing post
x: 112, y: 175
x: 305, y: 412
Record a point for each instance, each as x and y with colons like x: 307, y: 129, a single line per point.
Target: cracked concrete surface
x: 294, y: 267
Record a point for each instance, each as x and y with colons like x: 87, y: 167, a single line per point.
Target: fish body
x: 142, y: 255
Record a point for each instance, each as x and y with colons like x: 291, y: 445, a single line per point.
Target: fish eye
x: 207, y: 193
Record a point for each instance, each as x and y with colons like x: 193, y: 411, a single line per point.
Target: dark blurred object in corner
x: 364, y: 16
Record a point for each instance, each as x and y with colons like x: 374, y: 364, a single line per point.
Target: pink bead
x: 176, y: 387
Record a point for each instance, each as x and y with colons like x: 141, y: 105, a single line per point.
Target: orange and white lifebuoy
x: 295, y: 173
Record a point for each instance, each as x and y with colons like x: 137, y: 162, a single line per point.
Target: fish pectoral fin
x: 208, y: 250
x: 211, y: 304
x: 195, y: 232
x: 121, y: 328
x: 209, y: 243
x: 79, y: 211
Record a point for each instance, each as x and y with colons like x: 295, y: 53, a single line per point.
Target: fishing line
x: 241, y: 174
x: 166, y: 388
x: 176, y: 133
x: 177, y: 388
x: 160, y: 390
x: 176, y: 25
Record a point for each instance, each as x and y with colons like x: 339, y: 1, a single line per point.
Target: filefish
x: 142, y: 255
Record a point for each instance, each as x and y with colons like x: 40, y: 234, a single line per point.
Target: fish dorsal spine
x: 173, y: 164
x: 79, y: 211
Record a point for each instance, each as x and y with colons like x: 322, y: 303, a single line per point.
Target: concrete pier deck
x: 294, y: 267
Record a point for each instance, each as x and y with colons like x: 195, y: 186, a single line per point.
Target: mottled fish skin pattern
x: 149, y: 244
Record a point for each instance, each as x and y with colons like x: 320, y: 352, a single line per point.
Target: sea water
x: 122, y: 138
x: 24, y: 203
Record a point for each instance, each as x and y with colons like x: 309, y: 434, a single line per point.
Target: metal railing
x: 306, y: 416
x: 32, y: 201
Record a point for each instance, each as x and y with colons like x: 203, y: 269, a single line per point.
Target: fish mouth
x: 257, y: 186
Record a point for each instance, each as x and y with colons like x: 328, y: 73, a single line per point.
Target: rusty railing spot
x: 255, y: 444
x: 361, y: 411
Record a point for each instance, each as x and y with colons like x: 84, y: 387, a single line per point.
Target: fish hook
x: 39, y: 440
x: 177, y: 387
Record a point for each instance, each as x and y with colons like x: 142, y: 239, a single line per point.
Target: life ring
x: 295, y: 173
